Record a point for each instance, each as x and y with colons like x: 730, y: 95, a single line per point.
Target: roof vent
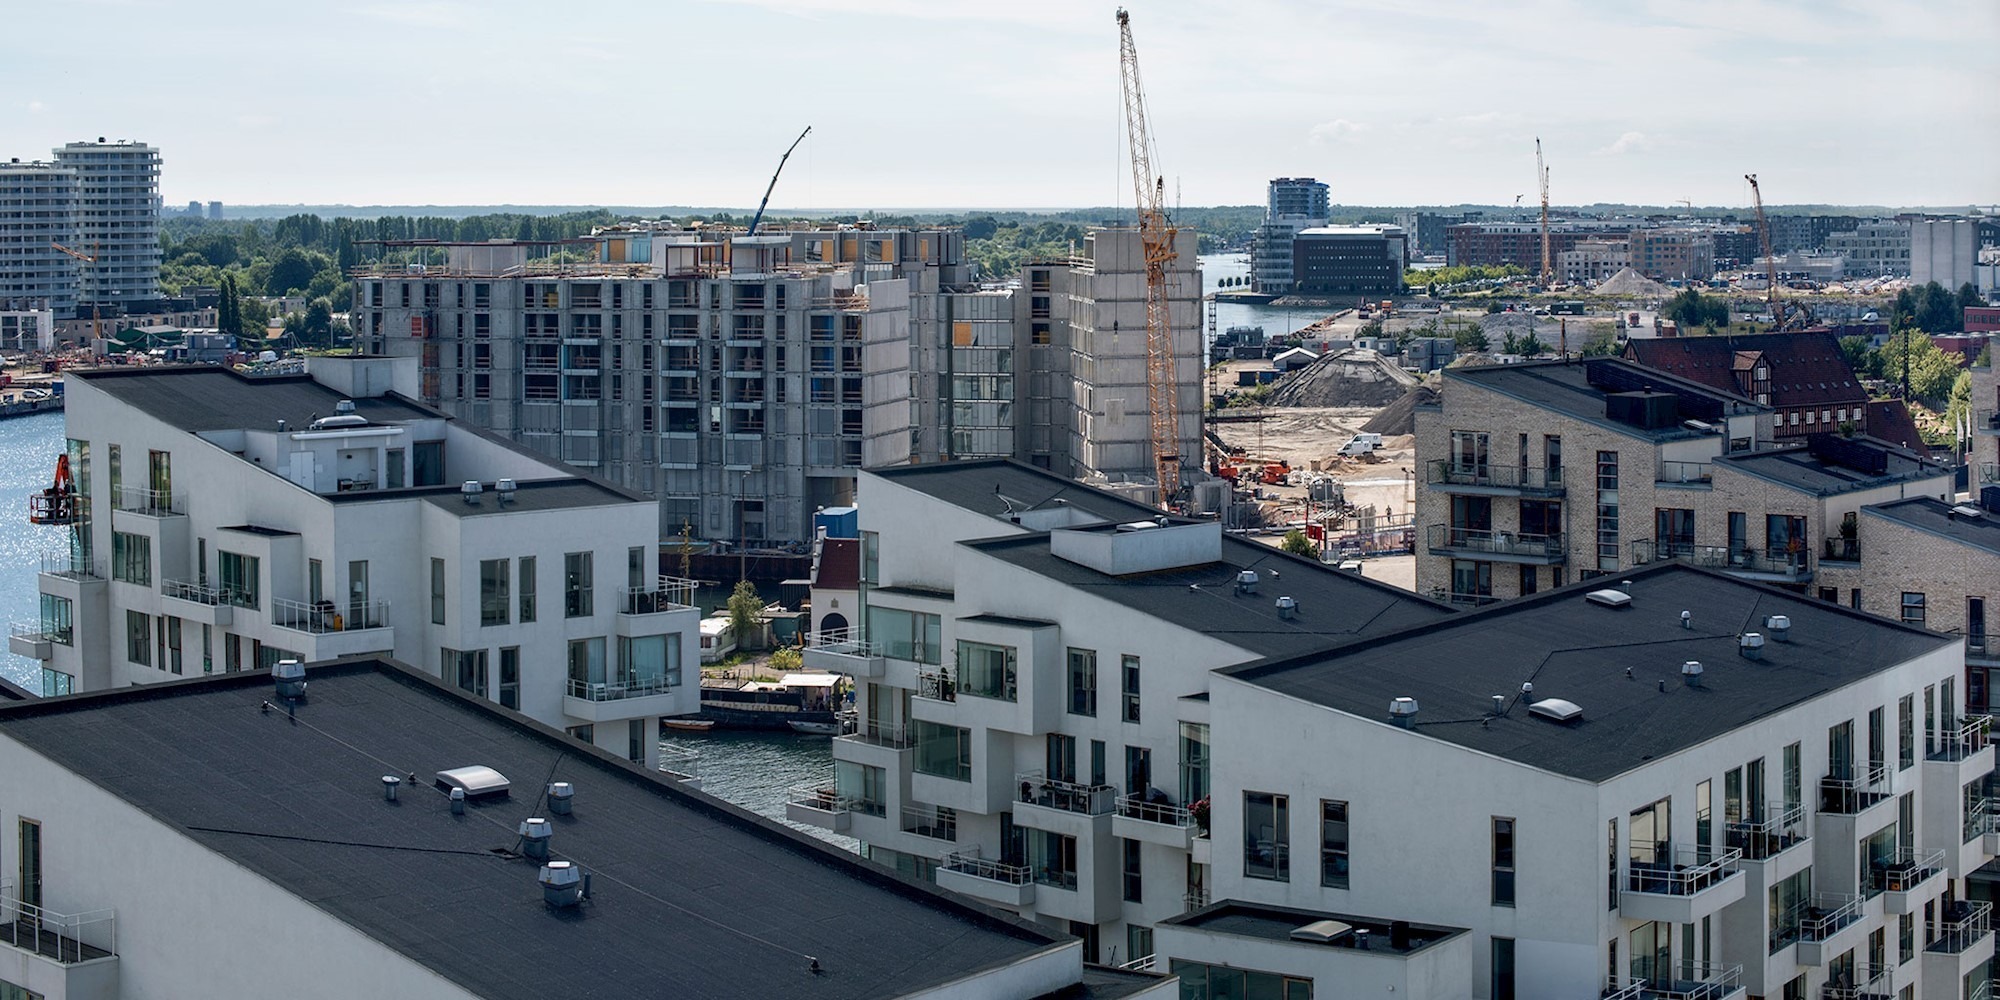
x: 1780, y: 627
x: 504, y: 489
x: 1751, y: 645
x: 1609, y: 598
x: 1557, y: 709
x: 1625, y: 587
x: 290, y: 677
x: 1691, y: 673
x: 390, y: 783
x: 344, y: 406
x: 1361, y: 938
x: 562, y: 884
x: 339, y: 420
x: 560, y: 793
x: 1499, y: 704
x: 1246, y: 582
x: 1527, y: 690
x: 535, y: 835
x: 1288, y: 609
x: 1322, y: 931
x: 476, y: 780
x: 1403, y: 712
x: 1687, y: 619
x: 458, y: 802
x: 470, y: 490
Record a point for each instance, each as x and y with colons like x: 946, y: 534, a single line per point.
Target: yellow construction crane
x: 96, y: 332
x: 1542, y: 178
x: 1157, y: 239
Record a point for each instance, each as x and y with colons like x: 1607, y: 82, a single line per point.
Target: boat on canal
x: 815, y: 699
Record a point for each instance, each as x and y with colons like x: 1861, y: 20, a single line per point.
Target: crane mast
x: 1542, y: 178
x: 1157, y: 239
x: 1764, y: 244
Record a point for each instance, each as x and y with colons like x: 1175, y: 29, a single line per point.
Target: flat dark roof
x: 1573, y: 649
x: 208, y: 398
x: 996, y: 486
x: 1564, y: 387
x: 692, y: 896
x: 1800, y: 469
x: 536, y: 494
x: 1276, y: 923
x: 1935, y: 516
x: 1332, y: 606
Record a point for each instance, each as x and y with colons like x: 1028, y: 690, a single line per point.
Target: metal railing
x: 1903, y: 870
x: 1444, y: 472
x: 1864, y: 982
x: 1135, y: 806
x: 155, y: 503
x: 1849, y: 792
x: 1143, y: 963
x: 196, y: 593
x: 322, y: 617
x: 1445, y: 536
x: 64, y: 563
x: 894, y: 735
x: 1958, y: 927
x: 1068, y: 796
x: 1685, y: 473
x: 934, y: 822
x: 1691, y: 870
x: 936, y: 685
x: 1980, y: 818
x: 1680, y: 981
x: 1827, y: 914
x: 993, y: 871
x: 1841, y: 550
x: 1475, y: 600
x: 669, y: 593
x: 64, y: 937
x: 1971, y: 736
x: 1760, y: 840
x: 1776, y: 561
x: 825, y: 798
x: 1989, y: 472
x: 843, y: 641
x: 619, y: 690
x: 41, y: 632
x: 1195, y: 899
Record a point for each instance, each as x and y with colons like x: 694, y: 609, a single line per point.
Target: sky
x: 1015, y: 103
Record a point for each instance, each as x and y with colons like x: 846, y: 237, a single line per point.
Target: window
x: 427, y: 463
x: 1503, y: 969
x: 437, y: 592
x: 586, y: 663
x: 635, y: 741
x: 1138, y: 942
x: 527, y: 577
x: 315, y: 582
x: 649, y: 662
x: 1194, y: 762
x: 1083, y: 682
x: 577, y: 585
x: 1133, y: 883
x: 1333, y: 844
x: 986, y: 671
x: 393, y: 471
x: 58, y: 619
x: 1128, y: 673
x: 132, y: 558
x: 170, y: 635
x: 510, y: 677
x: 238, y: 575
x: 1906, y: 938
x: 1607, y: 510
x: 1223, y: 982
x: 493, y: 600
x: 1906, y: 733
x: 139, y: 638
x: 942, y: 751
x: 906, y: 635
x: 1052, y: 859
x: 1266, y: 837
x: 1913, y: 607
x: 871, y: 554
x: 465, y: 668
x: 1503, y: 861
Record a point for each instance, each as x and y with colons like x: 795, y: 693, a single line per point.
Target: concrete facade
x: 1945, y: 251
x: 38, y: 205
x: 1672, y: 254
x: 1873, y: 249
x: 117, y: 219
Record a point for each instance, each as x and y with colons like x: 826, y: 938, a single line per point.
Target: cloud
x: 1333, y: 131
x: 1630, y: 142
x: 36, y: 107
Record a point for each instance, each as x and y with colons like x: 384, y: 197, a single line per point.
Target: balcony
x: 1762, y: 840
x: 1777, y: 564
x: 1065, y: 807
x: 843, y: 651
x: 1154, y: 822
x: 151, y: 503
x: 1957, y: 940
x: 65, y: 565
x: 821, y: 806
x: 1828, y: 925
x: 1194, y: 899
x: 1841, y: 550
x: 936, y: 685
x: 930, y: 822
x: 1682, y: 885
x: 876, y: 744
x: 198, y: 602
x: 1686, y: 981
x: 1494, y: 480
x: 1695, y: 475
x: 336, y: 630
x: 59, y: 954
x: 626, y: 698
x: 1868, y: 982
x: 37, y: 640
x: 1906, y: 879
x: 1959, y: 755
x: 668, y: 593
x: 1496, y: 546
x: 992, y: 881
x: 1982, y: 649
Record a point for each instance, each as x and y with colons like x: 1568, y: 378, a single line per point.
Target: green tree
x: 293, y: 271
x: 1968, y: 296
x: 1601, y: 341
x: 744, y: 607
x: 1297, y: 543
x: 228, y: 309
x: 1938, y: 310
x: 1471, y: 339
x: 1691, y: 309
x: 1931, y: 370
x: 1856, y: 350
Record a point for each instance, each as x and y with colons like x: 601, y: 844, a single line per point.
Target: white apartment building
x: 38, y: 204
x: 217, y: 838
x: 1687, y: 786
x: 1873, y: 249
x: 1945, y: 251
x: 1032, y: 664
x: 1592, y: 261
x: 117, y: 215
x: 227, y: 522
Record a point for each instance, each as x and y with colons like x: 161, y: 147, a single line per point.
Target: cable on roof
x: 343, y: 843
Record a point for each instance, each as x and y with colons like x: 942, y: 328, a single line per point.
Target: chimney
x: 1780, y: 627
x: 1751, y: 645
x: 1691, y: 673
x: 535, y: 833
x: 389, y: 783
x: 1403, y: 712
x: 559, y: 796
x: 1287, y: 608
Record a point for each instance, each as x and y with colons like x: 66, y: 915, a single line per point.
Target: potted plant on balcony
x: 1199, y: 811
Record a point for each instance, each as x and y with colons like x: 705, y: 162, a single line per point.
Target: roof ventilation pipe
x: 535, y: 833
x: 1625, y: 586
x: 390, y: 783
x: 458, y: 802
x: 1691, y: 673
x: 559, y: 797
x: 562, y: 884
x: 504, y: 490
x: 290, y: 678
x: 1780, y: 627
x: 1499, y: 704
x: 1751, y: 645
x: 1687, y: 619
x: 1246, y: 582
x: 1288, y: 609
x: 1527, y: 690
x: 344, y: 406
x: 1403, y: 712
x: 470, y: 490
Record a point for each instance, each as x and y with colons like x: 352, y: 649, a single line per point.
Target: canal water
x: 28, y: 449
x: 1275, y: 321
x: 755, y: 770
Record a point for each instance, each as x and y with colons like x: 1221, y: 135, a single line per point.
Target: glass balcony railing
x: 1679, y: 981
x: 322, y: 617
x: 1139, y: 807
x: 1686, y: 473
x: 1959, y: 927
x: 933, y: 822
x: 1511, y: 543
x: 668, y: 593
x: 619, y: 690
x: 153, y: 503
x: 1444, y: 472
x: 993, y: 871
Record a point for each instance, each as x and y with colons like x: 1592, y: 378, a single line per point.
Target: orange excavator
x: 60, y: 503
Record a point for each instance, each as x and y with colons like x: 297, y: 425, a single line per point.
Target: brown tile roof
x: 1807, y: 369
x: 1890, y: 420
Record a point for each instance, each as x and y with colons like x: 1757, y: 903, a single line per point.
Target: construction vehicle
x: 1156, y: 238
x: 759, y: 217
x: 1542, y: 178
x: 1784, y: 316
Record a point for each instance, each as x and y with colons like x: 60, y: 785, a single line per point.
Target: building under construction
x: 741, y: 380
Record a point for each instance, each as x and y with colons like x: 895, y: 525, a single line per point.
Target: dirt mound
x: 1630, y: 282
x: 1400, y: 416
x: 1344, y: 378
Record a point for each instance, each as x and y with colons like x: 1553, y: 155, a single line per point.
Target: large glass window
x: 1128, y: 673
x: 238, y: 576
x: 1913, y: 607
x: 1267, y: 836
x: 578, y: 585
x: 1222, y: 982
x: 58, y: 619
x: 1607, y: 510
x: 494, y: 604
x: 1333, y: 844
x: 1133, y: 883
x: 1083, y: 682
x: 510, y: 677
x: 437, y: 592
x: 465, y: 668
x: 649, y: 661
x: 986, y: 671
x: 139, y: 638
x: 586, y: 662
x: 132, y: 558
x: 1052, y: 859
x: 1906, y: 732
x: 527, y: 578
x: 1503, y: 861
x: 862, y: 785
x: 1788, y: 902
x: 1194, y: 762
x: 906, y: 635
x: 942, y: 751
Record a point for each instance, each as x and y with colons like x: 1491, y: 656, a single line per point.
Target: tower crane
x: 1156, y: 238
x: 96, y: 333
x: 1542, y: 178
